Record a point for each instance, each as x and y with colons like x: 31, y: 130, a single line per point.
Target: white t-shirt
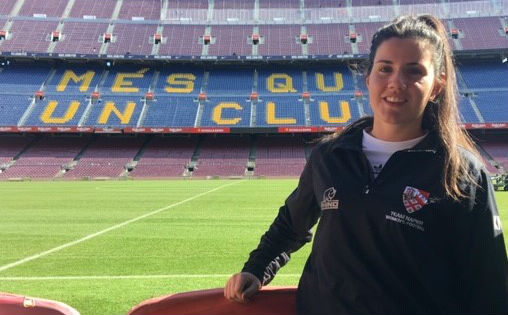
x: 379, y: 151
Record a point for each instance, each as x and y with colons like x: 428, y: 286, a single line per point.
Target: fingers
x: 241, y: 287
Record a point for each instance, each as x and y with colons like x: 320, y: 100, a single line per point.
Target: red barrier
x: 268, y: 301
x: 13, y: 304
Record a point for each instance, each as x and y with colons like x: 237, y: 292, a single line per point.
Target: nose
x: 397, y: 81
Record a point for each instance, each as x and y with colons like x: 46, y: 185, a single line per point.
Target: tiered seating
x: 337, y: 115
x: 129, y: 108
x: 366, y: 30
x: 106, y: 157
x: 57, y: 85
x: 184, y: 81
x: 165, y: 157
x: 234, y: 111
x: 23, y: 79
x: 433, y: 7
x: 231, y: 40
x: 99, y: 9
x: 279, y: 11
x: 176, y: 46
x: 6, y: 6
x: 227, y: 82
x: 148, y: 9
x: 52, y: 8
x: 81, y: 38
x: 325, y: 3
x: 493, y: 105
x: 11, y: 145
x: 140, y: 83
x: 279, y: 156
x: 485, y: 75
x: 45, y: 158
x: 330, y: 82
x: 173, y: 111
x: 132, y: 39
x: 467, y: 112
x: 288, y: 111
x: 328, y: 39
x: 29, y: 36
x: 62, y: 115
x: 383, y: 12
x: 280, y: 40
x: 497, y: 148
x: 12, y: 108
x: 481, y: 33
x: 285, y: 81
x: 224, y: 156
x: 234, y: 10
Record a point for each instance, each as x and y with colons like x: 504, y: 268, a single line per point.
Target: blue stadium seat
x: 329, y: 83
x: 121, y: 103
x: 180, y: 81
x: 62, y: 115
x: 172, y: 112
x: 335, y: 116
x: 492, y: 105
x: 288, y: 111
x: 485, y: 75
x: 72, y: 87
x: 233, y: 112
x: 466, y: 111
x: 12, y: 107
x: 130, y: 81
x: 230, y: 82
x: 285, y: 81
x: 23, y: 79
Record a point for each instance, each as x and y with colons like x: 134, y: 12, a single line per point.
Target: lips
x: 393, y: 100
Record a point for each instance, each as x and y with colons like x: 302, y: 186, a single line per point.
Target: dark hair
x: 441, y: 114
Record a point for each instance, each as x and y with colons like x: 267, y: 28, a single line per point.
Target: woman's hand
x: 241, y: 287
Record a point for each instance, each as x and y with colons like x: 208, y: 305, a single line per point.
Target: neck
x: 396, y: 133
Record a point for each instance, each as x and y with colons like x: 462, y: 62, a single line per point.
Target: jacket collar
x: 352, y: 140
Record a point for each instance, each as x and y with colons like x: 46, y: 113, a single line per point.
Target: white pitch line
x: 176, y: 276
x: 114, y: 227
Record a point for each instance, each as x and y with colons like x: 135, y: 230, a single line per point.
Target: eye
x: 385, y: 69
x: 415, y: 71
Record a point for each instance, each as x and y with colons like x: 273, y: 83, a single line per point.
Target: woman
x: 407, y: 217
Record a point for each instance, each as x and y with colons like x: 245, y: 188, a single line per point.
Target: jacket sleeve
x: 484, y: 276
x: 289, y: 231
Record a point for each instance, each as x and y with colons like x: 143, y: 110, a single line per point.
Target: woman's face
x: 401, y: 83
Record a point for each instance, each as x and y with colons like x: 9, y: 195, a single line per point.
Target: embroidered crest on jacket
x: 414, y: 199
x: 328, y: 202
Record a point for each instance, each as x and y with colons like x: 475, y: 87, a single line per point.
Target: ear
x: 367, y: 80
x: 439, y: 85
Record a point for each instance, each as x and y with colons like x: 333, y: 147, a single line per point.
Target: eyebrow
x: 390, y: 62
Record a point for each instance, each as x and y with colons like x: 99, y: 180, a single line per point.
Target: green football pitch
x: 104, y: 246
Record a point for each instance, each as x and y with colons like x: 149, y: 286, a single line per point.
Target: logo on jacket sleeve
x: 414, y: 199
x: 328, y: 202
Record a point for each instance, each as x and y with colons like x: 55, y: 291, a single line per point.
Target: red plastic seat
x: 268, y: 301
x: 13, y: 304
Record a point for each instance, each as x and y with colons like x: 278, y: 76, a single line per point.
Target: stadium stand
x: 11, y: 146
x: 6, y: 6
x: 92, y: 8
x: 51, y: 8
x: 29, y: 35
x: 172, y: 111
x: 231, y: 40
x: 175, y: 46
x: 279, y: 156
x: 227, y: 82
x: 328, y: 39
x: 132, y: 38
x: 227, y: 111
x: 46, y: 157
x: 165, y: 157
x: 146, y: 9
x: 81, y: 37
x: 224, y: 156
x: 481, y: 33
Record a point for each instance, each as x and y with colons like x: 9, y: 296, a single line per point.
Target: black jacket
x: 391, y: 245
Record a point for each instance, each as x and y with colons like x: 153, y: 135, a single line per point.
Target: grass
x: 193, y: 245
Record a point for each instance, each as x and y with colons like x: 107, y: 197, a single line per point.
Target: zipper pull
x: 367, y: 189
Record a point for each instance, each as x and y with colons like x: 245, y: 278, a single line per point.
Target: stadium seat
x: 269, y: 301
x: 13, y: 304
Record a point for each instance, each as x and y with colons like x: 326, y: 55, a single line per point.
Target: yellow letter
x: 48, y: 113
x: 217, y: 114
x: 272, y: 120
x: 125, y: 117
x: 185, y: 80
x: 339, y: 83
x: 286, y: 87
x: 122, y: 85
x: 70, y: 75
x: 325, y: 113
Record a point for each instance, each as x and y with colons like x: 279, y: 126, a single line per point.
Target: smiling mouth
x: 394, y: 100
